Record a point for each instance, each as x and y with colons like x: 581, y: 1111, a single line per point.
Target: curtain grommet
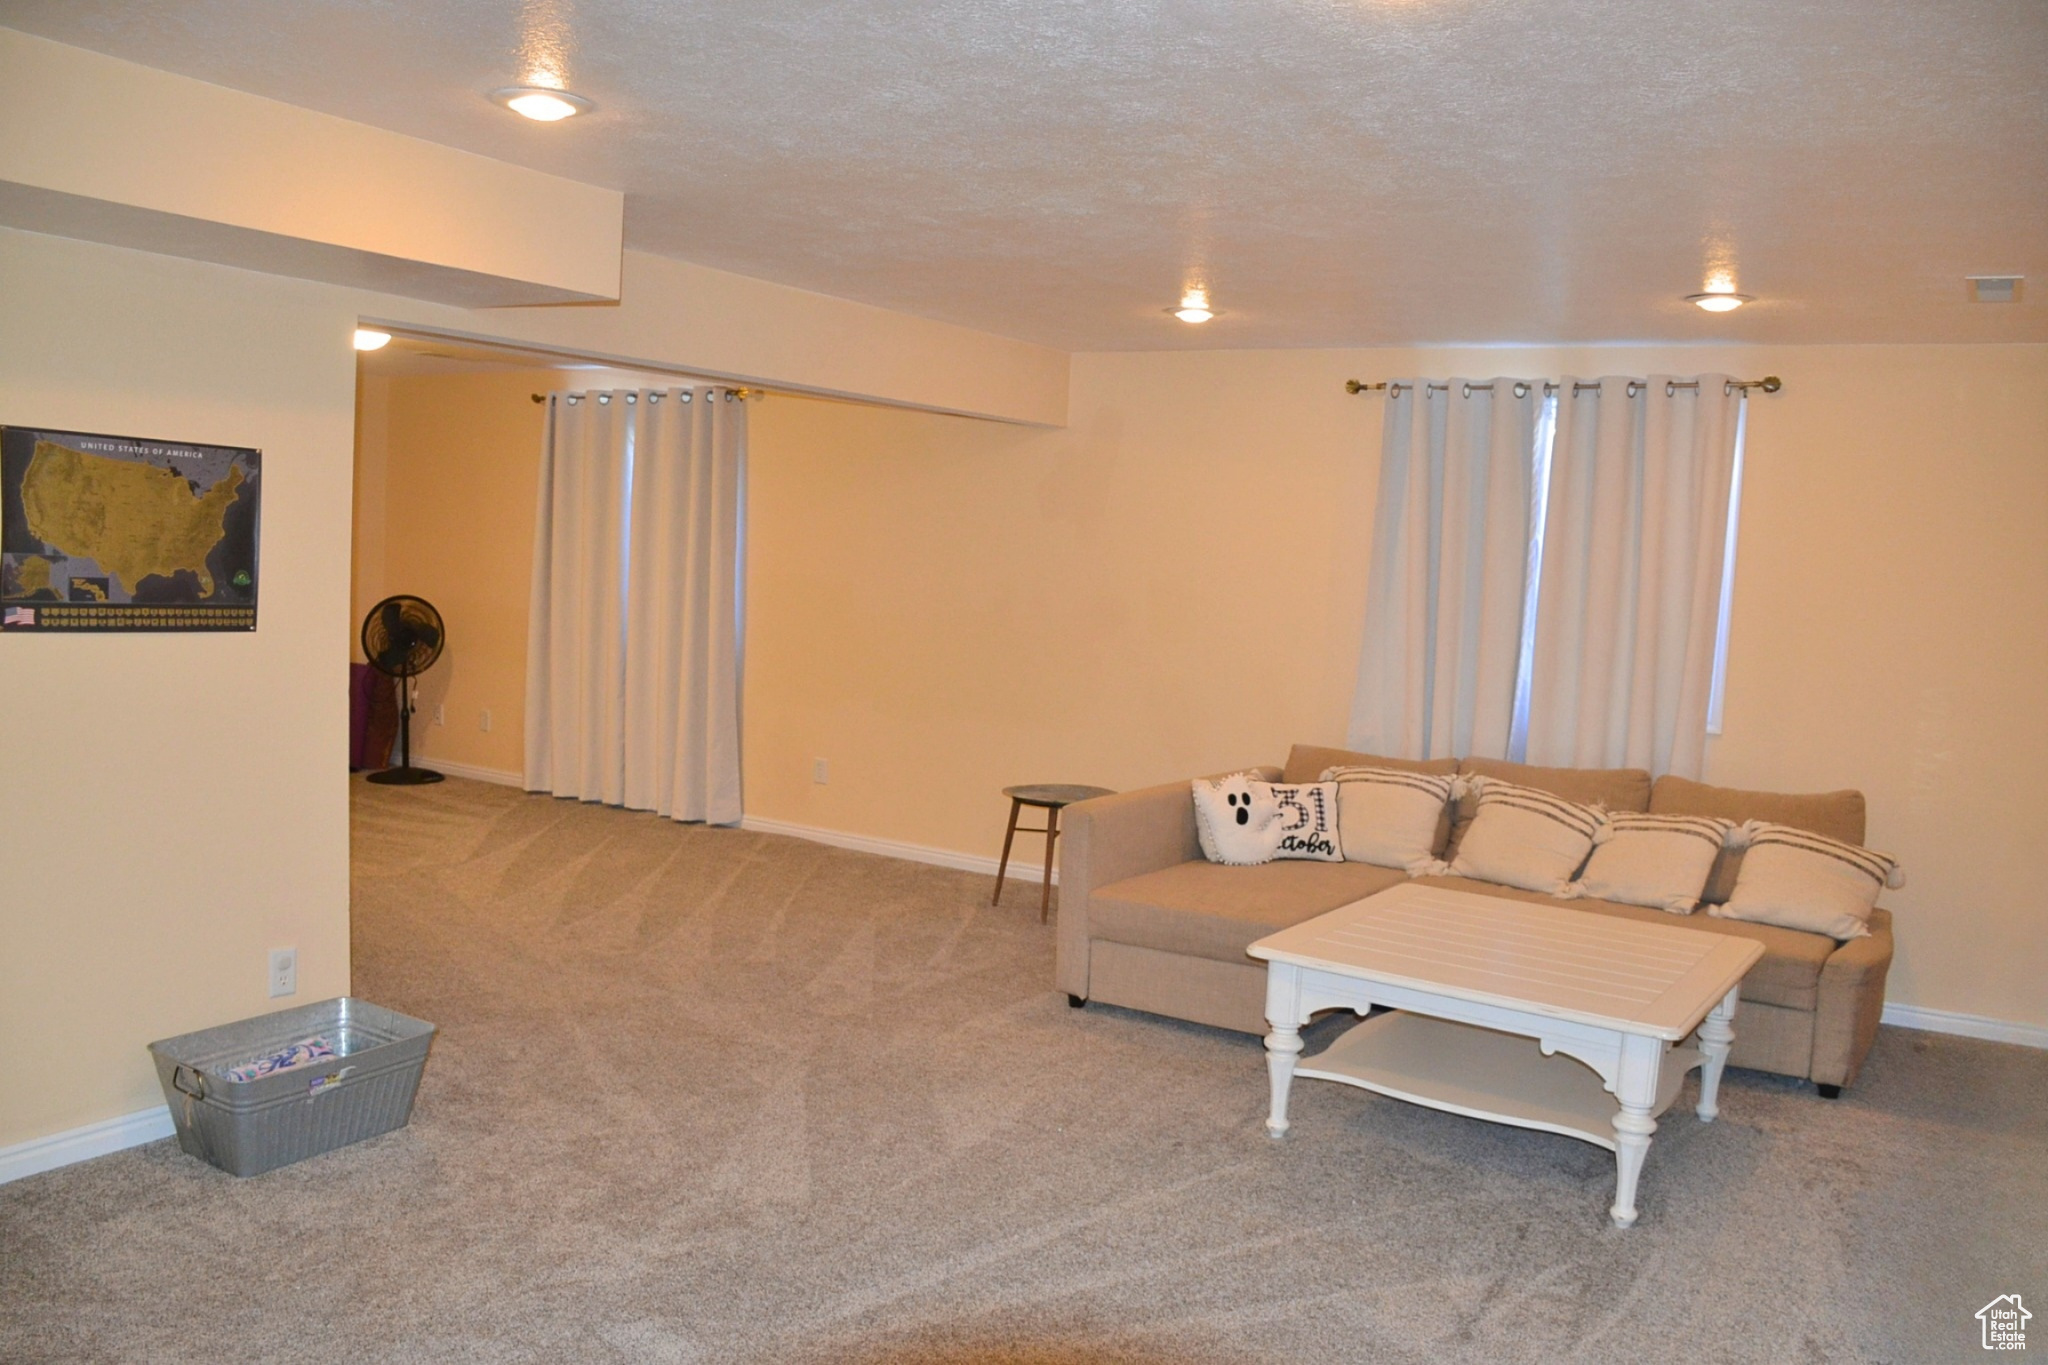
x: 1670, y: 388
x: 1634, y: 388
x: 1521, y: 389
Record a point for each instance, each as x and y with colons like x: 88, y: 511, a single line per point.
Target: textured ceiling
x: 1338, y: 172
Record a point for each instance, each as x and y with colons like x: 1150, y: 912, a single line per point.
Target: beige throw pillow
x: 1661, y: 861
x: 1391, y: 818
x: 1798, y: 880
x: 1523, y: 837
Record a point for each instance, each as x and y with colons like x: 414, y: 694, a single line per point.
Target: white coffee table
x: 1472, y: 979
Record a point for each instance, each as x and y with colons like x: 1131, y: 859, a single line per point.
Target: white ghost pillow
x: 1238, y: 819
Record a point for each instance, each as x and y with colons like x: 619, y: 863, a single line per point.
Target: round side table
x: 1050, y: 797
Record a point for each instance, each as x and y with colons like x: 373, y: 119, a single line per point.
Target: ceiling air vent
x: 1994, y: 288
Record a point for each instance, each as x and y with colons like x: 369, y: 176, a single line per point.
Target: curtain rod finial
x: 1771, y: 383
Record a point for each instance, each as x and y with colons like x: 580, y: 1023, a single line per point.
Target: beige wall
x: 1176, y: 584
x: 452, y: 470
x: 176, y: 808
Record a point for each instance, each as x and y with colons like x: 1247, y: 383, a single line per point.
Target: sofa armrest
x: 1113, y: 837
x: 1851, y: 1003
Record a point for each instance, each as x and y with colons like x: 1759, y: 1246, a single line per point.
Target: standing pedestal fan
x: 402, y: 636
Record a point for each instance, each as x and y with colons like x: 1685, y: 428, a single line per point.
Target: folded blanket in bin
x: 298, y: 1054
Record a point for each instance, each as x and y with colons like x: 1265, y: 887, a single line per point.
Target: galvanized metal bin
x: 248, y: 1127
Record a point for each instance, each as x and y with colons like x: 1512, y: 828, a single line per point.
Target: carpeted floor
x: 705, y: 1095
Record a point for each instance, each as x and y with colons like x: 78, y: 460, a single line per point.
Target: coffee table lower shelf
x: 1484, y: 1074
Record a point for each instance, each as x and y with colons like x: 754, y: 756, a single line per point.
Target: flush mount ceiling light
x: 1194, y: 307
x: 370, y: 339
x: 1994, y: 288
x: 541, y: 104
x: 1719, y: 295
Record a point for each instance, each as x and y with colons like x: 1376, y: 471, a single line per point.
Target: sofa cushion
x: 1216, y: 911
x: 1788, y: 974
x: 1836, y: 815
x: 1306, y: 762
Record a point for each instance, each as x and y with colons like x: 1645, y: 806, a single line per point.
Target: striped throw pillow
x: 1392, y: 818
x: 1524, y: 837
x: 1798, y: 880
x: 1662, y: 861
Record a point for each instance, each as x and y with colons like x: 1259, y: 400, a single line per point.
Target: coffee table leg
x: 1717, y: 1035
x: 1283, y: 1046
x: 1636, y: 1088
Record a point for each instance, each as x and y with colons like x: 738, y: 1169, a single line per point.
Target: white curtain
x: 1632, y: 555
x: 1450, y: 569
x: 633, y: 639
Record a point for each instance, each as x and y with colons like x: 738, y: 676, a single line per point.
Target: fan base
x: 405, y: 777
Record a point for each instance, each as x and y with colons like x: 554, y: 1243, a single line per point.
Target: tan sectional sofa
x: 1147, y: 923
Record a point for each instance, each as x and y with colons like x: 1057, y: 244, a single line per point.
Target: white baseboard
x: 1966, y: 1025
x: 471, y: 771
x: 1022, y: 868
x: 83, y: 1144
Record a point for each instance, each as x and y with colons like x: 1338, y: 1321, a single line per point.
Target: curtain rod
x: 742, y: 394
x: 1770, y: 383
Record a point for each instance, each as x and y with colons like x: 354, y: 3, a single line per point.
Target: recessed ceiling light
x: 1194, y: 307
x: 541, y: 104
x: 370, y: 339
x: 1720, y: 301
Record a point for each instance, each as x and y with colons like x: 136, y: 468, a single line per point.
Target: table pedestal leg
x: 1283, y: 1046
x: 1717, y: 1035
x: 1636, y: 1088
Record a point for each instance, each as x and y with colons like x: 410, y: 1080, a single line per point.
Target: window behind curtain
x: 1540, y: 456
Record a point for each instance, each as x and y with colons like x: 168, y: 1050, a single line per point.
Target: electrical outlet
x: 284, y: 972
x: 483, y: 721
x: 821, y: 771
x: 440, y: 713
